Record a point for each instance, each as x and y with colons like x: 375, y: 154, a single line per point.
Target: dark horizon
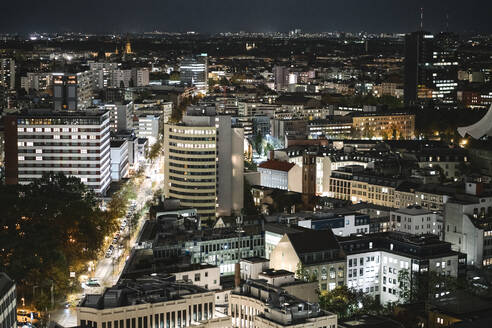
x: 213, y: 16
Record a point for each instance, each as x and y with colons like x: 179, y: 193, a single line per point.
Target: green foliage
x: 257, y: 143
x: 347, y: 302
x: 50, y: 227
x: 404, y: 284
x: 156, y: 150
x: 175, y: 76
x: 301, y: 272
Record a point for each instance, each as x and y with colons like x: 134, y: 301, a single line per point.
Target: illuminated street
x: 108, y: 270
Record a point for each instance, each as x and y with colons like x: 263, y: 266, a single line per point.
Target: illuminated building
x: 431, y: 69
x: 384, y: 126
x: 259, y: 304
x: 150, y: 302
x: 73, y: 91
x: 194, y: 72
x: 317, y: 251
x: 375, y: 261
x: 74, y: 143
x: 7, y: 73
x: 204, y: 162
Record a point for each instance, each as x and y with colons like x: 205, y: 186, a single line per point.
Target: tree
x: 258, y: 143
x: 347, y: 302
x: 156, y: 149
x: 404, y: 284
x: 52, y: 226
x: 175, y: 76
x: 301, y: 272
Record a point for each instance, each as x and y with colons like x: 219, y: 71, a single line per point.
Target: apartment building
x: 148, y: 127
x: 468, y: 224
x: 73, y: 91
x: 416, y: 220
x: 374, y: 261
x: 352, y: 183
x: 121, y: 116
x: 73, y: 143
x: 119, y: 159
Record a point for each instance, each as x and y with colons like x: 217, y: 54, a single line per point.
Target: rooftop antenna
x: 421, y: 19
x: 447, y: 22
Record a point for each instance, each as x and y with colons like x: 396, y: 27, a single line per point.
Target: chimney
x: 237, y: 275
x: 272, y: 154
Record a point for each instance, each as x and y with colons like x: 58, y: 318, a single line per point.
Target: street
x: 106, y: 270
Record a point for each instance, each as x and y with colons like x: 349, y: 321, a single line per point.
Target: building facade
x: 73, y: 143
x: 203, y: 164
x: 8, y: 302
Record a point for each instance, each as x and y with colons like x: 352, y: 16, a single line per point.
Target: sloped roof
x: 276, y: 165
x: 480, y: 128
x: 313, y: 241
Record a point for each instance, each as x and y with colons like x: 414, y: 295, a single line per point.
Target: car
x: 109, y: 253
x: 92, y: 282
x: 111, y: 247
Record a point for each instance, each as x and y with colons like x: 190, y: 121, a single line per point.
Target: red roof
x: 276, y: 165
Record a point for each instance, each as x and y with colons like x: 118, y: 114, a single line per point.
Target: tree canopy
x: 50, y: 227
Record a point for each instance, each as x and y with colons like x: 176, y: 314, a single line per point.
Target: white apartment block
x: 148, y: 127
x: 374, y: 268
x: 73, y: 143
x: 416, y: 220
x: 468, y: 225
x: 119, y: 160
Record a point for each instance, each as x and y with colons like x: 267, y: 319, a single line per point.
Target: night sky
x: 248, y: 15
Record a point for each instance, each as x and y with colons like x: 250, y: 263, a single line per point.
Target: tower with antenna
x: 421, y: 18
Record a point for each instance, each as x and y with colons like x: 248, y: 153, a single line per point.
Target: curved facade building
x: 204, y: 164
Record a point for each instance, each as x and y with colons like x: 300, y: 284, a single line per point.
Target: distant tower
x: 128, y: 47
x: 308, y: 177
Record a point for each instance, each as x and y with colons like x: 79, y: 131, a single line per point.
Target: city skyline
x: 253, y: 16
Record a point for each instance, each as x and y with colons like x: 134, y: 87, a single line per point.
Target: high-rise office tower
x: 418, y: 60
x: 281, y: 77
x: 73, y: 143
x: 7, y: 73
x: 194, y: 72
x: 204, y: 163
x: 431, y: 72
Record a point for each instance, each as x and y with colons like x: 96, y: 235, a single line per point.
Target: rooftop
x: 276, y: 165
x: 311, y: 241
x: 413, y: 210
x: 145, y: 290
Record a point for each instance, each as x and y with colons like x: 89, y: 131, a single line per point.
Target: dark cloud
x: 247, y: 15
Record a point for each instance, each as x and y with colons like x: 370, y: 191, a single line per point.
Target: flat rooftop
x: 145, y: 290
